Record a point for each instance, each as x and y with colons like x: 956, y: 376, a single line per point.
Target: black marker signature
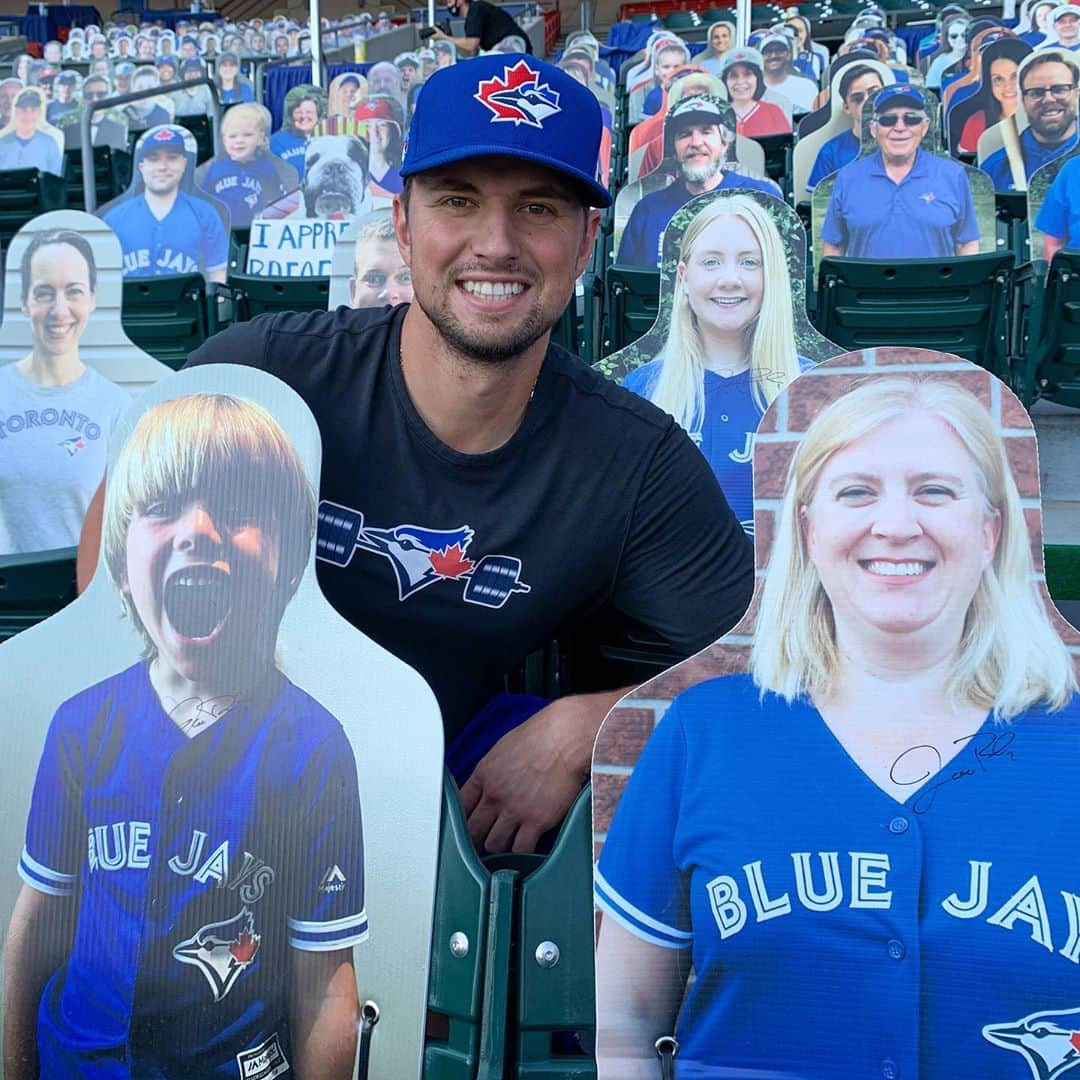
x: 918, y: 763
x: 201, y: 712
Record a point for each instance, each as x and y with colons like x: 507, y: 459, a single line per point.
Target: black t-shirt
x: 491, y: 24
x: 463, y: 564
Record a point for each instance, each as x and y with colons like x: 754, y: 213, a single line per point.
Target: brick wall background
x: 629, y: 725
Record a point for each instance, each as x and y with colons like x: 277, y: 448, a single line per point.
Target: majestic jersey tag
x: 263, y: 1062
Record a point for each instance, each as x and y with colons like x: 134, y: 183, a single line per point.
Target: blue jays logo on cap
x: 518, y: 97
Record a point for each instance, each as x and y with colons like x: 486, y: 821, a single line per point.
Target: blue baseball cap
x: 901, y: 94
x: 508, y: 106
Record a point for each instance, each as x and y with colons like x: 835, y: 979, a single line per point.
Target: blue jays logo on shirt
x: 928, y: 198
x: 222, y: 951
x: 518, y: 97
x: 73, y: 445
x: 420, y: 556
x: 1050, y: 1041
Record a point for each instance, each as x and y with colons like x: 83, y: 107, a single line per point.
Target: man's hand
x: 527, y: 781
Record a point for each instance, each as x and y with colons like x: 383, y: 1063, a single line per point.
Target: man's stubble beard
x: 480, y: 351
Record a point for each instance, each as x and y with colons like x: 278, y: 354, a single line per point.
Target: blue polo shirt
x: 1035, y: 155
x: 839, y: 151
x: 640, y: 243
x: 1059, y: 216
x: 925, y: 216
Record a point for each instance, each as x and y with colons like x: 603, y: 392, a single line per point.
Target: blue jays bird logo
x: 73, y: 445
x: 518, y: 97
x: 419, y: 556
x: 222, y: 951
x: 1049, y: 1041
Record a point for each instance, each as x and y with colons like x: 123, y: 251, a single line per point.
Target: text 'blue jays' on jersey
x: 189, y: 239
x: 195, y: 865
x: 837, y: 933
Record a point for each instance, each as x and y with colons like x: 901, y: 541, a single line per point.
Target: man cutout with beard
x: 1048, y: 87
x: 698, y: 133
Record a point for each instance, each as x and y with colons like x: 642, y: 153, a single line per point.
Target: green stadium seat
x: 1050, y: 366
x: 199, y: 126
x: 957, y: 305
x: 682, y: 20
x: 555, y: 989
x: 166, y: 316
x: 251, y: 295
x: 631, y: 305
x: 33, y: 587
x: 25, y: 193
x: 469, y: 983
x: 112, y: 174
x: 1063, y: 571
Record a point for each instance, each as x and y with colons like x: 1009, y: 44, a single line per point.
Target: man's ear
x: 401, y: 231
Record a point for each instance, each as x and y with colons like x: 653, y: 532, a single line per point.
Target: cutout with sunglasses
x: 902, y: 198
x: 1044, y: 126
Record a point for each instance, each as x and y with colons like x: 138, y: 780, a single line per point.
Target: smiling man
x: 1048, y: 90
x: 698, y: 134
x: 901, y: 202
x: 164, y: 225
x: 483, y: 490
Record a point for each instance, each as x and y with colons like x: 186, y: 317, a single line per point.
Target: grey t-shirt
x: 53, y: 446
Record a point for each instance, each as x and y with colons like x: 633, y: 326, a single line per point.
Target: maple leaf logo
x: 245, y: 947
x: 518, y: 97
x: 451, y: 563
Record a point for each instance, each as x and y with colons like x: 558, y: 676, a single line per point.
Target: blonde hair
x: 679, y: 388
x: 1009, y: 657
x: 210, y: 442
x: 249, y: 110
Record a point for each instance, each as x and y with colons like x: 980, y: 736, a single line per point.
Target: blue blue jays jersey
x: 291, y: 148
x: 726, y: 433
x: 1059, y: 215
x: 245, y: 187
x: 836, y: 932
x: 195, y: 864
x: 1034, y: 153
x: 189, y: 239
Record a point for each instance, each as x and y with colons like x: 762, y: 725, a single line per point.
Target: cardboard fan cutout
x: 1041, y: 129
x: 166, y: 224
x: 942, y: 209
x: 67, y: 374
x: 825, y: 147
x: 188, y: 792
x: 701, y: 152
x: 304, y: 107
x: 28, y: 140
x: 1054, y: 209
x: 368, y: 271
x: 731, y: 331
x: 245, y: 174
x: 849, y: 812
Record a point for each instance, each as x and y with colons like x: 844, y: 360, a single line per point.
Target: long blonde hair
x: 1009, y: 657
x: 679, y: 388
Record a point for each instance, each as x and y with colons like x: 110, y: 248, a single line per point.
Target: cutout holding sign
x: 67, y: 373
x: 731, y: 331
x: 872, y: 776
x: 901, y: 198
x: 244, y: 909
x: 368, y: 270
x: 166, y: 225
